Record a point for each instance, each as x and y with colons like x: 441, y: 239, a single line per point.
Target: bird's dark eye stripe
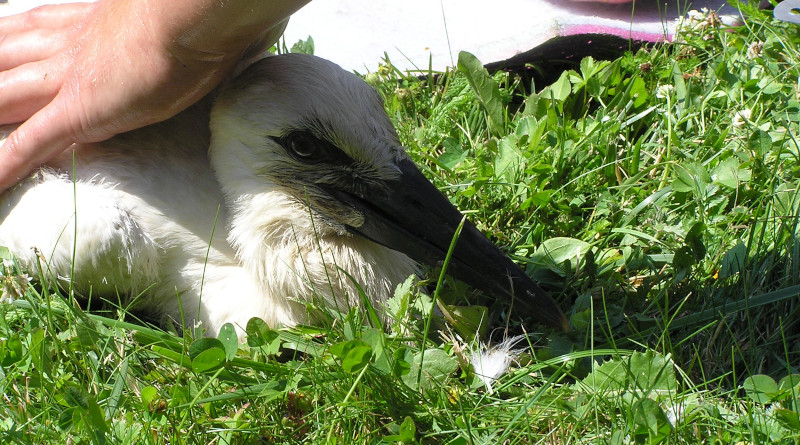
x: 305, y: 147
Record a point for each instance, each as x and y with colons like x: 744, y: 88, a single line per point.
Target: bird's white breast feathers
x: 145, y: 213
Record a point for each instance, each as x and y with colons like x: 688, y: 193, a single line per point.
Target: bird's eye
x: 305, y: 146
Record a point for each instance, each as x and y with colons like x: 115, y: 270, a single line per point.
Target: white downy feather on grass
x: 491, y: 362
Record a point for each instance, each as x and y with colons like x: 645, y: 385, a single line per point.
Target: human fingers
x: 46, y: 17
x: 29, y: 46
x: 27, y: 89
x: 38, y: 139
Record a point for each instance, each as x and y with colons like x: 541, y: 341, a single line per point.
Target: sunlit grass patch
x: 655, y: 196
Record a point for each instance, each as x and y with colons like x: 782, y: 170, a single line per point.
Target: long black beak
x: 414, y: 218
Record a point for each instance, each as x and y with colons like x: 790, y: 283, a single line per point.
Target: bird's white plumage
x: 233, y: 237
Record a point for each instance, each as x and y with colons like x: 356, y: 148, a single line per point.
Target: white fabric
x: 356, y: 33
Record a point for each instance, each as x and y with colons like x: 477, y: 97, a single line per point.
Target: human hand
x: 84, y: 72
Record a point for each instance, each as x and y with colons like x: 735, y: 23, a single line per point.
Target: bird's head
x: 306, y: 155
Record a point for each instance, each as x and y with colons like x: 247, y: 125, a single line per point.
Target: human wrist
x: 214, y: 27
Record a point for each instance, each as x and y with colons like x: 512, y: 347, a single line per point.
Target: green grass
x: 655, y: 196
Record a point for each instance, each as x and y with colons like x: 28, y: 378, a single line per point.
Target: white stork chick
x: 301, y: 192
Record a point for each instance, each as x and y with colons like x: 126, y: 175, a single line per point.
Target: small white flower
x: 696, y: 22
x: 693, y: 21
x: 491, y: 362
x: 697, y: 15
x: 12, y: 287
x: 664, y: 91
x: 741, y: 117
x: 754, y: 50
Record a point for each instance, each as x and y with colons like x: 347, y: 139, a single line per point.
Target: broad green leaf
x: 646, y: 373
x: 541, y: 198
x: 595, y: 87
x: 679, y: 82
x: 65, y: 418
x: 683, y: 258
x: 259, y: 334
x: 209, y: 360
x: 532, y: 128
x: 403, y: 433
x: 638, y: 91
x: 790, y: 384
x: 581, y: 320
x: 230, y: 341
x: 786, y: 200
x: 435, y: 365
x: 356, y: 358
x: 690, y: 177
x: 5, y: 254
x: 397, y: 305
x: 723, y: 72
x: 536, y: 106
x: 355, y: 355
x: 469, y: 321
x: 508, y: 159
x: 653, y: 371
x: 303, y: 46
x: 694, y: 240
x: 452, y: 156
x: 576, y: 80
x: 75, y: 397
x: 403, y: 357
x: 733, y: 261
x: 760, y: 388
x: 559, y: 90
x: 376, y: 339
x: 587, y: 78
x: 120, y: 384
x: 264, y: 392
x: 94, y: 415
x: 611, y: 375
x: 87, y: 334
x: 590, y: 67
x: 650, y: 420
x: 684, y: 182
x: 768, y: 85
x: 729, y: 174
x: 10, y: 351
x: 760, y: 142
x: 207, y: 355
x: 787, y: 418
x: 485, y: 88
x: 554, y: 252
x: 40, y: 351
x: 178, y: 395
x: 149, y: 394
x: 407, y: 430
